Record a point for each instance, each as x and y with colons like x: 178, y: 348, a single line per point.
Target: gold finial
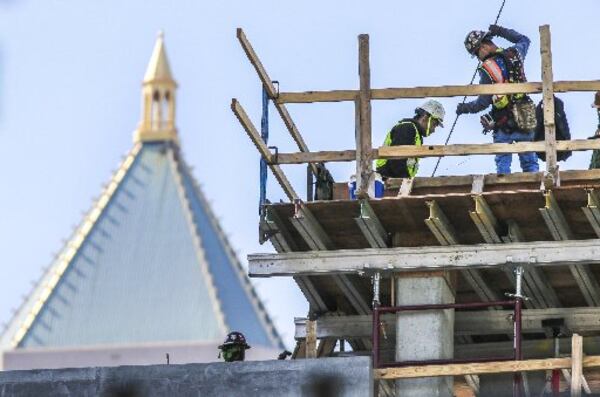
x: 158, y: 98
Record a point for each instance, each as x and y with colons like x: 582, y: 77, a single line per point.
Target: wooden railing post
x: 311, y: 339
x: 576, y: 365
x: 363, y: 132
x: 548, y: 96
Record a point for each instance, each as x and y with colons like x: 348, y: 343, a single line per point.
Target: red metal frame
x: 517, y: 304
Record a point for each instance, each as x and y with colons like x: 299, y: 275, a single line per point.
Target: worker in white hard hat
x: 427, y: 118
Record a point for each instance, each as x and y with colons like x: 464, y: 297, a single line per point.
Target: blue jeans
x: 529, y: 160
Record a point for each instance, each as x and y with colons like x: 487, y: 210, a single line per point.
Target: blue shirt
x: 521, y: 46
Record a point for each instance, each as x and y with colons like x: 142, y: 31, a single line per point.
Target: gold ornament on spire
x: 158, y: 99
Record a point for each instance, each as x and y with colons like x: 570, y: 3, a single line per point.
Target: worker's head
x: 479, y: 44
x: 429, y: 115
x: 234, y: 348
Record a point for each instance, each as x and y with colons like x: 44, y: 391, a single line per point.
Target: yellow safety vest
x: 412, y: 164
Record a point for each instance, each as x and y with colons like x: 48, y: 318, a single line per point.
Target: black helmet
x: 235, y: 339
x: 473, y: 41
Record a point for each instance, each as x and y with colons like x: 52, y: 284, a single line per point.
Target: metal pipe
x: 518, y: 379
x: 376, y: 280
x: 375, y: 336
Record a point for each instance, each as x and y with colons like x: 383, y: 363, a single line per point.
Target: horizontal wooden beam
x: 495, y: 367
x: 542, y: 253
x: 315, y: 157
x: 439, y: 92
x: 406, y: 151
x: 584, y: 177
x: 467, y: 323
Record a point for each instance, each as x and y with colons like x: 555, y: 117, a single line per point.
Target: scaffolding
x: 474, y: 229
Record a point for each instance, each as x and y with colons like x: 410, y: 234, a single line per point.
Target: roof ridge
x: 249, y: 289
x: 196, y: 238
x: 40, y: 293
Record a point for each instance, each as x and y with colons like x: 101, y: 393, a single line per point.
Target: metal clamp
x: 276, y: 156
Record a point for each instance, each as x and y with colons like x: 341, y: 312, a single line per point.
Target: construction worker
x: 234, y: 348
x: 411, y: 132
x: 595, y: 162
x: 512, y: 118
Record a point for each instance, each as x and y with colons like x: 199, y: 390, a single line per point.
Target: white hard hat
x: 435, y: 109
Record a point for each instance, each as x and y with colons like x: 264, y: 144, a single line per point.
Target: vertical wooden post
x: 363, y: 133
x: 548, y: 96
x: 311, y: 339
x: 576, y: 365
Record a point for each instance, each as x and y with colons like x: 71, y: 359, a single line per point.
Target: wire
x: 437, y: 164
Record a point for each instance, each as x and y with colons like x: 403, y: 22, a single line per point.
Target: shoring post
x: 376, y: 322
x: 518, y: 295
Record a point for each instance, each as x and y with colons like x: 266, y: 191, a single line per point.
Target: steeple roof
x: 158, y: 69
x: 149, y: 262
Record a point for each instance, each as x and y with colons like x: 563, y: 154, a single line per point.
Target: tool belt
x: 517, y: 116
x: 524, y: 114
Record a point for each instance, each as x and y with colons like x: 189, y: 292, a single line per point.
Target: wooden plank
x: 311, y: 339
x: 548, y: 97
x: 364, y: 157
x: 316, y: 157
x: 406, y: 151
x: 268, y: 84
x: 252, y: 132
x: 406, y: 259
x: 585, y: 176
x: 437, y: 92
x: 576, y: 365
x: 495, y: 367
x: 255, y: 61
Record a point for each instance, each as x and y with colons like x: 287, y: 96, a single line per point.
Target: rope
x: 465, y: 97
x: 264, y: 133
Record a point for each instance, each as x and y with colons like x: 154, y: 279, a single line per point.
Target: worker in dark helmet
x: 234, y: 348
x: 512, y: 118
x: 411, y: 131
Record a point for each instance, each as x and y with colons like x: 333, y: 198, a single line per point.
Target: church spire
x: 158, y: 99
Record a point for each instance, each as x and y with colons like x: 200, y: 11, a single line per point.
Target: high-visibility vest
x: 412, y: 164
x: 514, y: 70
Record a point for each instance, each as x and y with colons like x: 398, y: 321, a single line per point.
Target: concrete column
x: 424, y: 335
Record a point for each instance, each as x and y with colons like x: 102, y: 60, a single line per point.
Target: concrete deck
x: 333, y: 377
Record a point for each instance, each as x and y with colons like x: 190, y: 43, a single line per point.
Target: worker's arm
x: 482, y: 101
x: 520, y: 40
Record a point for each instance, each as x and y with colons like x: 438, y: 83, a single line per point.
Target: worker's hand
x: 494, y: 30
x: 461, y: 108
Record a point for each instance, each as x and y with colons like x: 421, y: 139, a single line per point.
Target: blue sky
x: 70, y: 74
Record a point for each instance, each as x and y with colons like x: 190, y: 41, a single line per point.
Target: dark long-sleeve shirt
x: 403, y: 133
x: 521, y: 45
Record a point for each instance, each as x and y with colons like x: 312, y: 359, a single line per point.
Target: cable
x: 465, y: 97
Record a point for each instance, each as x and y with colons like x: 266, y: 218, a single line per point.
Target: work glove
x: 461, y: 108
x: 495, y: 30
